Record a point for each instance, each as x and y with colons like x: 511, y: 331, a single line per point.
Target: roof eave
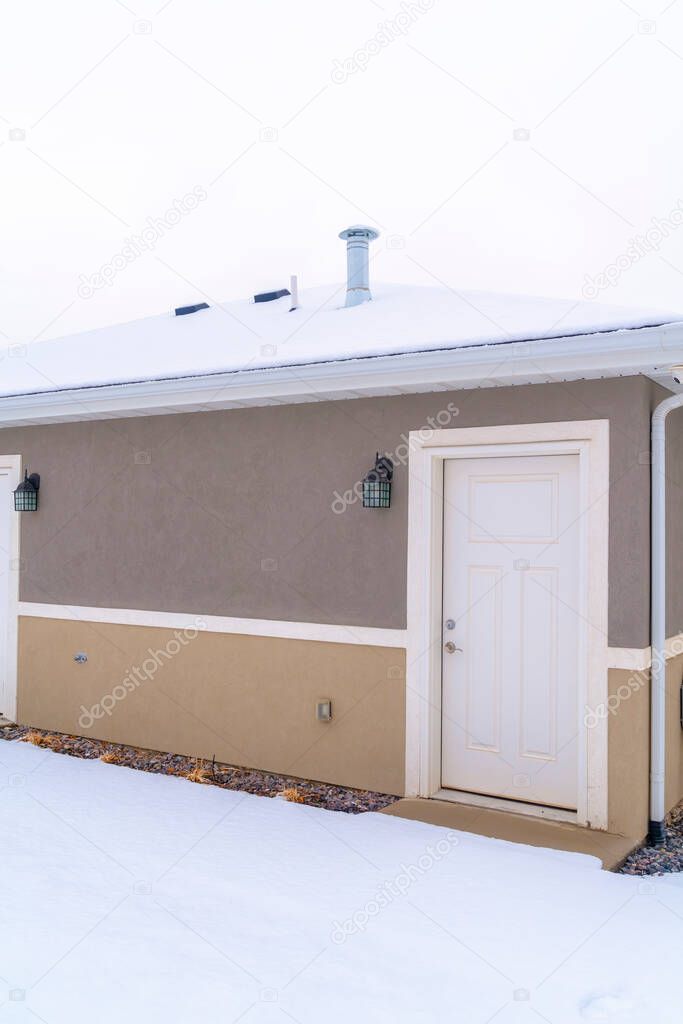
x: 648, y: 350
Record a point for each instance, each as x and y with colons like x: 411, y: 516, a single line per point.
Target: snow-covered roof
x: 242, y: 336
x: 243, y: 340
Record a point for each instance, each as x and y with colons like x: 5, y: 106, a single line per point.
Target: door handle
x: 450, y: 647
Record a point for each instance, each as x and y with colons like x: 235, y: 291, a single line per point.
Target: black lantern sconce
x: 377, y: 484
x: 26, y: 494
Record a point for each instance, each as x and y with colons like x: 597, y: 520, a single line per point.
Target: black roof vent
x: 269, y: 296
x: 184, y: 310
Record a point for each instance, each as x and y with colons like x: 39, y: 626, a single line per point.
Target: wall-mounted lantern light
x: 26, y: 494
x: 377, y: 484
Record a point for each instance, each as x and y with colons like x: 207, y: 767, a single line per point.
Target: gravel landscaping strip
x: 662, y: 860
x: 247, y: 780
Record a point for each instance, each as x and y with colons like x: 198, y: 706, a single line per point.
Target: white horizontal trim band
x: 635, y: 659
x: 361, y: 635
x: 638, y: 659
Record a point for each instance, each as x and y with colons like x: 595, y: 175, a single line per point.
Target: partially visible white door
x: 8, y: 575
x: 511, y: 590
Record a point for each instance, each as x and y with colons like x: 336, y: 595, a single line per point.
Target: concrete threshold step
x: 608, y: 847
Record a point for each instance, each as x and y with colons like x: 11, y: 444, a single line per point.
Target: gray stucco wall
x: 674, y: 517
x: 230, y: 513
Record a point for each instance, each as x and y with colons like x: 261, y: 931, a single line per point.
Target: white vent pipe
x: 357, y: 239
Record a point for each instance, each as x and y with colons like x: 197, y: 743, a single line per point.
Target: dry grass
x: 200, y: 773
x: 36, y: 738
x: 40, y: 740
x: 293, y: 795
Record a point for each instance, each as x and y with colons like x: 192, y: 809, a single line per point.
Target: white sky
x: 127, y: 107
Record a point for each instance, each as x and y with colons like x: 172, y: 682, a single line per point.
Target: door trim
x: 13, y: 464
x: 589, y: 439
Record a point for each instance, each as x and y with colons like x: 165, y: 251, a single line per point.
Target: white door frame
x: 589, y: 439
x: 13, y: 464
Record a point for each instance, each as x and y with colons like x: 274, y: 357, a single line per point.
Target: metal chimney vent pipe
x: 357, y: 238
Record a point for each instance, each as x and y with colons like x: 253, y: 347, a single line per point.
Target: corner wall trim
x: 368, y: 636
x: 10, y: 466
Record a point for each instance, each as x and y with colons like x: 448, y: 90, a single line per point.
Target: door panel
x: 538, y: 663
x: 483, y: 623
x: 511, y: 584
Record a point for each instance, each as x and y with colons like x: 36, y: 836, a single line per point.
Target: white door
x: 7, y: 581
x: 511, y: 590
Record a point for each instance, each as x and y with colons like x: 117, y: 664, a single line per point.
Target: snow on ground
x: 145, y: 898
x: 242, y: 336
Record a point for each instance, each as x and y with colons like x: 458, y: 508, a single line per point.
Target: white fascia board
x: 648, y: 351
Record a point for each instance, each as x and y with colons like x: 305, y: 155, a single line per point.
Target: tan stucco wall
x: 230, y: 513
x: 251, y: 701
x: 628, y: 753
x: 629, y: 747
x: 674, y: 734
x: 247, y: 700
